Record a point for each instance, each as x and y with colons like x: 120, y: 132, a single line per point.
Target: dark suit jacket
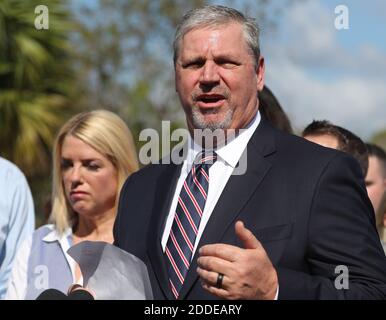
x: 307, y: 205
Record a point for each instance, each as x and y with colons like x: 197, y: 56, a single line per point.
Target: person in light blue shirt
x: 17, y: 217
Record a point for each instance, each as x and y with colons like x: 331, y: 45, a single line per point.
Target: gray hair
x: 212, y: 16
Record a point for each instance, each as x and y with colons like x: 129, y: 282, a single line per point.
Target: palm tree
x: 35, y: 79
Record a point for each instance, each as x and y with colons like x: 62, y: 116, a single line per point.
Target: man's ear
x: 175, y: 77
x: 260, y: 73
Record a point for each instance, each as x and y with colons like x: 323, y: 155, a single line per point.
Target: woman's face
x: 90, y: 180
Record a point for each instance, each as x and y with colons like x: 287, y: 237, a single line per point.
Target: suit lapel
x: 165, y: 188
x: 236, y: 194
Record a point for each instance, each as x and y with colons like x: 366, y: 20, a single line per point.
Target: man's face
x: 216, y: 78
x: 375, y: 182
x: 325, y: 140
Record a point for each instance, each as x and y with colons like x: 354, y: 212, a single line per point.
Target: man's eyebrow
x: 221, y: 57
x: 226, y: 57
x: 193, y: 59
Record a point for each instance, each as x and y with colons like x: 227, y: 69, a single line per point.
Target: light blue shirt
x: 17, y: 217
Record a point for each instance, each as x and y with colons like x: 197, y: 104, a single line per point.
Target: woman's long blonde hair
x: 106, y: 133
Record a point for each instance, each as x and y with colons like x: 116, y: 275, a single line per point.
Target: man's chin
x: 211, y: 121
x: 210, y: 125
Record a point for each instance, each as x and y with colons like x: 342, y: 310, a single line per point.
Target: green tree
x: 35, y: 79
x: 379, y: 138
x: 124, y: 50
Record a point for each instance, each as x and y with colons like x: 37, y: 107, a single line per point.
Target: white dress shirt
x: 219, y: 173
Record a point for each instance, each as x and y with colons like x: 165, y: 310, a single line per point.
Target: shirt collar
x: 232, y: 151
x: 54, y: 235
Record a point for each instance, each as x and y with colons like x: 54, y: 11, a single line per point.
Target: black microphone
x: 52, y: 294
x: 80, y: 294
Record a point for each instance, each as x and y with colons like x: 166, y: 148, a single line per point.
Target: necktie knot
x: 205, y: 157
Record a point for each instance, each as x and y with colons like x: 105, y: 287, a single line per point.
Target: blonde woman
x: 93, y: 155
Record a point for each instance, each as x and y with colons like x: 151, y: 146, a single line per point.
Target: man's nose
x: 209, y: 75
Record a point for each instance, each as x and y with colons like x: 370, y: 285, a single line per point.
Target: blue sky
x: 319, y: 72
x: 367, y: 23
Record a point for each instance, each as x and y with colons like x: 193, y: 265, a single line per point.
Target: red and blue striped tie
x: 187, y: 218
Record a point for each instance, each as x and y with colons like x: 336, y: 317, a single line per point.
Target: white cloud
x: 353, y: 95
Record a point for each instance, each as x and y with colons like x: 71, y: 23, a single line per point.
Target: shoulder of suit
x: 146, y: 175
x: 290, y: 140
x: 301, y: 150
x: 149, y: 171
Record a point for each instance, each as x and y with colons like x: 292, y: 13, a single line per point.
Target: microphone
x: 52, y: 294
x: 80, y: 294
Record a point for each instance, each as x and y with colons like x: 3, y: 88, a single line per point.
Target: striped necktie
x: 187, y: 218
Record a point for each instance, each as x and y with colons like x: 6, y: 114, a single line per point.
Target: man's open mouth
x: 210, y: 100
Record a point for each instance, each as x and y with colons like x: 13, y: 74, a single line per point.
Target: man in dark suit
x: 294, y: 222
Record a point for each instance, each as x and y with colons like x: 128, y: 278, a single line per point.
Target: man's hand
x: 248, y: 272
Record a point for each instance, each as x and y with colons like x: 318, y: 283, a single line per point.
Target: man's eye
x: 193, y: 65
x: 228, y: 64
